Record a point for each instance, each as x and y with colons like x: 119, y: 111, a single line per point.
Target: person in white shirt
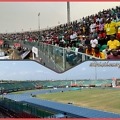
x: 92, y: 27
x: 73, y: 36
x: 94, y: 42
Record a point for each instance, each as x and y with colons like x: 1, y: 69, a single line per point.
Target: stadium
x: 61, y: 50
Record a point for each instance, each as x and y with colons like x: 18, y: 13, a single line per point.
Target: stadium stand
x: 66, y: 44
x: 13, y: 86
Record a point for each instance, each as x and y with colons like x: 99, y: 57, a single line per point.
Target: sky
x: 31, y: 70
x: 23, y: 16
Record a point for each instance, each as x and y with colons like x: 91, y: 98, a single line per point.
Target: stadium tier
x: 29, y: 85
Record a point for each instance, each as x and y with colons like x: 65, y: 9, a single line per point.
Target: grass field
x: 101, y: 99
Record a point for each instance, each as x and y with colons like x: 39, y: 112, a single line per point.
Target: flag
x: 38, y: 14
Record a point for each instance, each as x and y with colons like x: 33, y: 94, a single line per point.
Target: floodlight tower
x: 68, y: 12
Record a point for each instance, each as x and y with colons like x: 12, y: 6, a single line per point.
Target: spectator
x: 89, y: 50
x: 101, y: 38
x: 97, y: 26
x: 101, y: 26
x: 94, y: 42
x: 110, y: 28
x: 114, y: 19
x: 118, y: 14
x: 114, y: 55
x: 106, y: 52
x: 81, y: 48
x: 83, y: 40
x: 73, y: 36
x: 98, y: 54
x: 113, y: 44
x: 95, y: 34
x: 14, y: 55
x: 92, y: 27
x: 118, y: 29
x: 87, y: 41
x: 87, y: 28
x: 68, y: 48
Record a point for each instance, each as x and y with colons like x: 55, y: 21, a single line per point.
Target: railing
x: 61, y: 58
x: 23, y: 109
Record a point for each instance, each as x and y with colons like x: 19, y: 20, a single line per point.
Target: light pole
x: 39, y: 24
x: 39, y: 21
x: 68, y: 12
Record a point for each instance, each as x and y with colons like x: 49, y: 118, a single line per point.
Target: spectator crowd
x: 97, y: 35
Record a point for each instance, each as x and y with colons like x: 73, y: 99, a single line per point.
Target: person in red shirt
x: 114, y: 55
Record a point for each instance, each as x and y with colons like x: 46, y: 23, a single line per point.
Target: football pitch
x: 100, y: 99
